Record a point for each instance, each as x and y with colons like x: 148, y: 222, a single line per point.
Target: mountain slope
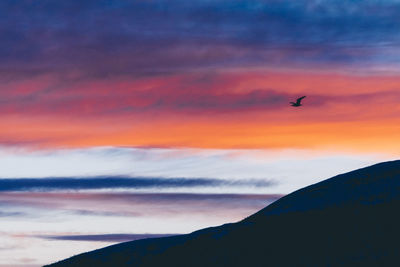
x: 348, y: 220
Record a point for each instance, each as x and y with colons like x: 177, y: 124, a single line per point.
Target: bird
x: 298, y: 102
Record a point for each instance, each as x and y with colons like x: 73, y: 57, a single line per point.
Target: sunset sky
x: 131, y: 119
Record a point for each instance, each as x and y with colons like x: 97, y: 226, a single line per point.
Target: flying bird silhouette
x: 298, y: 102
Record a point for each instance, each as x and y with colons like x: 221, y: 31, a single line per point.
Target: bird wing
x: 299, y: 99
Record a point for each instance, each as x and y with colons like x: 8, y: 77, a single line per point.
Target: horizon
x: 131, y: 119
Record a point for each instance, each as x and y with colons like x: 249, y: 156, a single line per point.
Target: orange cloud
x: 203, y: 110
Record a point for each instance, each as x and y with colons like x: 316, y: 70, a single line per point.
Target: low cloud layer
x: 120, y: 205
x: 121, y: 182
x: 104, y: 237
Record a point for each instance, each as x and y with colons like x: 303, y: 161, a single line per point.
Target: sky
x: 123, y: 120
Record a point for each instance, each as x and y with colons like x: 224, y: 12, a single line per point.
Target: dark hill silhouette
x: 348, y: 220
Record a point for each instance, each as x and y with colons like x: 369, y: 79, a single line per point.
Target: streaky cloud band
x: 121, y: 182
x: 103, y: 237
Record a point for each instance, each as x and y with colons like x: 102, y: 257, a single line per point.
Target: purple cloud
x: 103, y: 38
